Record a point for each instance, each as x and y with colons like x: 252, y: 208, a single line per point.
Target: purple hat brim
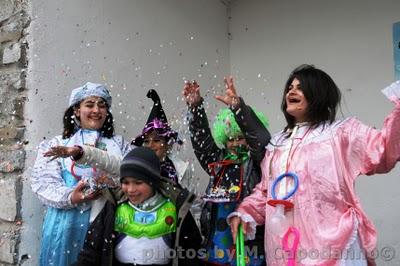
x: 170, y: 135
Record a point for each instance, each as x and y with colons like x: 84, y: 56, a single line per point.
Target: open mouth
x: 294, y: 100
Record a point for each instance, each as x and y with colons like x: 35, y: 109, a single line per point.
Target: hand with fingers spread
x: 63, y: 152
x: 191, y: 92
x: 234, y: 224
x: 78, y: 195
x: 230, y: 98
x: 236, y: 140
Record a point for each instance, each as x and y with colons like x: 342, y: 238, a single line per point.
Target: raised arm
x: 203, y: 143
x: 371, y: 150
x: 257, y: 136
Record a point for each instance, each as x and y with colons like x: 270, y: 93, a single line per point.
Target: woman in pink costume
x: 327, y: 155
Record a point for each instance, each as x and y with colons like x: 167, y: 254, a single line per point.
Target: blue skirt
x: 63, y: 236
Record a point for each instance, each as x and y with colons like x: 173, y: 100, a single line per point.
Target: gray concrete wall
x: 131, y: 46
x: 351, y: 41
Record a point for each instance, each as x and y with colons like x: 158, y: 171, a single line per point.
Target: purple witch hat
x: 157, y: 121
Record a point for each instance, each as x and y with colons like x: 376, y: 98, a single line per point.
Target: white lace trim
x: 251, y: 230
x: 353, y: 246
x: 353, y: 236
x: 323, y: 132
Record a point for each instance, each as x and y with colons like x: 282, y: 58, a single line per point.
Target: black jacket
x: 206, y: 151
x: 99, y: 243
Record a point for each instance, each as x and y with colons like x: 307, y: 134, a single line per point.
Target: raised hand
x: 62, y: 152
x: 191, y: 92
x: 230, y: 98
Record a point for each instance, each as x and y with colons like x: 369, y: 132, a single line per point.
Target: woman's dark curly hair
x: 70, y: 127
x: 321, y: 92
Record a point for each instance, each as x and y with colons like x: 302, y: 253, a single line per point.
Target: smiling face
x: 157, y: 143
x: 137, y: 190
x: 92, y: 113
x: 233, y: 144
x: 296, y: 102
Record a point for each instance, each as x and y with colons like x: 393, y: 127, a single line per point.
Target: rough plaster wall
x: 131, y: 46
x: 351, y: 41
x: 14, y: 20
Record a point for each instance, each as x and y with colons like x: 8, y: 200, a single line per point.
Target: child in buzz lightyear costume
x: 144, y: 226
x: 234, y: 169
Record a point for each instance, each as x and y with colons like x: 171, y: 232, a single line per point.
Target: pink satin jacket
x: 327, y: 211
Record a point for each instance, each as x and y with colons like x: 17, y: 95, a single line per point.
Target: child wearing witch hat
x: 158, y: 136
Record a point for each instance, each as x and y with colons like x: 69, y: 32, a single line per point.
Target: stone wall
x: 14, y: 20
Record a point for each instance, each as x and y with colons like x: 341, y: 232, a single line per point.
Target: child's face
x: 157, y: 144
x: 92, y: 113
x: 296, y: 102
x: 137, y: 190
x: 232, y: 144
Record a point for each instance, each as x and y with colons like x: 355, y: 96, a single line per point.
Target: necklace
x: 291, y: 153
